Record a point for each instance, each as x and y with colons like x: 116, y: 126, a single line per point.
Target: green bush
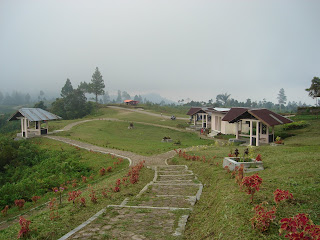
x: 29, y: 171
x: 295, y: 125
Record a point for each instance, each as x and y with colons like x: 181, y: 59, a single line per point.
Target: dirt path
x: 71, y: 125
x: 132, y: 157
x: 159, y: 211
x: 148, y: 113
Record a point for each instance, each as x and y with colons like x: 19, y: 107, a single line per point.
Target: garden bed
x: 250, y: 165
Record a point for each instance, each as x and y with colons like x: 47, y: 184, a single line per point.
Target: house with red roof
x: 257, y: 124
x: 261, y: 120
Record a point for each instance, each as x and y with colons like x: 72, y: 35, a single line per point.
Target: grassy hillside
x: 224, y: 211
x: 142, y: 139
x: 70, y: 215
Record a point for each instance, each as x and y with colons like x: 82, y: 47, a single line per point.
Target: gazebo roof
x: 266, y: 116
x: 195, y: 110
x: 34, y: 114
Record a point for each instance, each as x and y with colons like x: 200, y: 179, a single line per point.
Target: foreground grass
x: 71, y: 215
x: 224, y: 211
x: 143, y: 139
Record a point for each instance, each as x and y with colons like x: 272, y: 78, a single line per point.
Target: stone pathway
x: 159, y: 211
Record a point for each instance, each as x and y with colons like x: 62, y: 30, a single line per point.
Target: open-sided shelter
x: 33, y: 116
x: 260, y: 119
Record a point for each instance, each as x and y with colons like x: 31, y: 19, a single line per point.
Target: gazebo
x: 260, y: 119
x: 31, y: 120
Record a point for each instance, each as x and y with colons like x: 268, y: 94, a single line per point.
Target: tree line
x: 225, y: 100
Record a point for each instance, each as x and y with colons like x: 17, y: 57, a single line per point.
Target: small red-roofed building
x: 131, y: 102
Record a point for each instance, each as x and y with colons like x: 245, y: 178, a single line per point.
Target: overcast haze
x: 179, y: 49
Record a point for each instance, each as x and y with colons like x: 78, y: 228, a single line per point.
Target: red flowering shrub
x: 251, y: 184
x: 5, y: 210
x: 281, y: 195
x: 104, y: 193
x: 82, y: 202
x: 118, y: 182
x: 299, y: 227
x: 258, y: 158
x: 134, y: 172
x: 53, y: 206
x: 262, y: 218
x: 102, y: 171
x: 84, y: 179
x: 19, y: 203
x: 116, y: 189
x: 239, y: 177
x: 24, y: 223
x: 35, y: 199
x: 109, y: 169
x: 73, y: 196
x: 93, y: 196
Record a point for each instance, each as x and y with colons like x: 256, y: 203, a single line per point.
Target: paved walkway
x: 159, y: 211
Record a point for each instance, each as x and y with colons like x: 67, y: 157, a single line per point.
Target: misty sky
x: 179, y: 49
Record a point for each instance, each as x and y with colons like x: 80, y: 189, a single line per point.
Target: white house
x: 211, y: 118
x: 260, y: 120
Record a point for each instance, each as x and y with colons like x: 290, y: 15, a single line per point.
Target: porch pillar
x: 202, y: 119
x: 250, y: 132
x: 267, y: 132
x: 47, y: 127
x: 237, y: 130
x: 26, y: 127
x: 22, y: 124
x: 194, y: 119
x: 39, y: 127
x: 272, y: 133
x: 257, y: 133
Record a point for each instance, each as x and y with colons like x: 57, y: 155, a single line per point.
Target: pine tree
x: 119, y: 98
x: 67, y: 89
x: 97, y: 84
x: 282, y: 98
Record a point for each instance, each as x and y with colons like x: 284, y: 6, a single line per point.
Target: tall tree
x: 66, y: 89
x: 97, y: 84
x: 222, y: 98
x: 314, y: 89
x: 282, y: 98
x: 126, y: 96
x: 106, y: 98
x: 27, y: 98
x: 1, y: 97
x: 119, y: 98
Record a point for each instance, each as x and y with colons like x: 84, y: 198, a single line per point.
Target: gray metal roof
x: 34, y: 114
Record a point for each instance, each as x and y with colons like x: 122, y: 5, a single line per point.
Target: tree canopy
x: 97, y: 84
x: 314, y: 89
x: 66, y: 89
x: 282, y: 98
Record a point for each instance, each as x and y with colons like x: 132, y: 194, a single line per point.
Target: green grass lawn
x: 224, y: 211
x: 121, y: 114
x: 143, y: 139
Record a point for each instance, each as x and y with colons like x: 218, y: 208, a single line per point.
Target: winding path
x: 159, y: 211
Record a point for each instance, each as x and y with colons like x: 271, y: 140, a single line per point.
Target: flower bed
x: 250, y: 165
